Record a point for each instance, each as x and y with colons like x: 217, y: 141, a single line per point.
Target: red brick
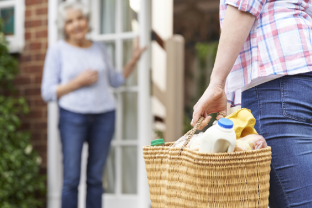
x: 35, y: 114
x: 32, y: 91
x: 27, y: 35
x: 45, y: 45
x: 40, y: 57
x: 42, y: 125
x: 28, y: 13
x: 25, y: 58
x: 25, y: 126
x: 39, y: 103
x: 32, y: 69
x: 42, y: 11
x: 22, y: 80
x: 38, y: 80
x: 32, y: 2
x: 41, y: 148
x: 35, y: 46
x: 33, y: 23
x: 42, y: 34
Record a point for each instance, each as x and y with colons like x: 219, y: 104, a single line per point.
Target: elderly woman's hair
x: 62, y: 13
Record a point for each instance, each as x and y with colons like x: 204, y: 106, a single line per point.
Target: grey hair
x: 62, y: 13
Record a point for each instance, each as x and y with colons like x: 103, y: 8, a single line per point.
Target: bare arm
x: 137, y: 52
x: 236, y: 28
x: 129, y: 67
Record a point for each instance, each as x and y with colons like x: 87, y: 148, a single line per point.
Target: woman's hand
x: 87, y: 77
x: 136, y: 55
x: 137, y: 51
x: 213, y: 100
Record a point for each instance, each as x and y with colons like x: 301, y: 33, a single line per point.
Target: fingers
x: 221, y: 116
x: 204, y: 123
x: 143, y: 49
x: 90, y: 76
x: 195, y: 118
x: 137, y: 43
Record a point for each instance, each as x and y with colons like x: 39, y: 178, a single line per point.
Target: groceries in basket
x: 158, y: 142
x: 179, y: 176
x: 250, y: 142
x: 219, y: 138
x: 234, y: 133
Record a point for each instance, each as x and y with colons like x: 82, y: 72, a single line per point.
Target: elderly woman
x: 78, y: 74
x: 264, y: 63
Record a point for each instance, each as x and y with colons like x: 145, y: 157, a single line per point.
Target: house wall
x: 28, y: 82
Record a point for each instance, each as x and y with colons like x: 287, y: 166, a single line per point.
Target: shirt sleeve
x: 252, y: 6
x: 116, y: 79
x: 51, y: 75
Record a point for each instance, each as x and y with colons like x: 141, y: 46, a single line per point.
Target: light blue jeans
x: 283, y: 110
x: 75, y: 129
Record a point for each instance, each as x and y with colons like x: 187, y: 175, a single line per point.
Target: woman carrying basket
x: 264, y: 63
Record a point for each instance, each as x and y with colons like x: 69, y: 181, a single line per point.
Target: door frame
x: 141, y: 199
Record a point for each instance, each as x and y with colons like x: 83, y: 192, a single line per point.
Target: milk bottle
x: 219, y: 138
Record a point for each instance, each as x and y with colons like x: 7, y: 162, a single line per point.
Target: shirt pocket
x: 297, y: 98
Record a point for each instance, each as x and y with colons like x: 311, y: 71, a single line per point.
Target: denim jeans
x: 283, y: 110
x: 75, y: 129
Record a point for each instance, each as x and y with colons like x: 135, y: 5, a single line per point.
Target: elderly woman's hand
x: 87, y: 77
x: 137, y: 51
x: 136, y: 54
x: 212, y: 101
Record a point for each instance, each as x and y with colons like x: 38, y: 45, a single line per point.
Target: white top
x: 64, y: 62
x: 261, y: 80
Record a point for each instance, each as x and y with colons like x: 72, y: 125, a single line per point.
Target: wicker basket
x: 209, y: 180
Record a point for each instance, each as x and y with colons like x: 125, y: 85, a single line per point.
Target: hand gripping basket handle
x: 191, y: 132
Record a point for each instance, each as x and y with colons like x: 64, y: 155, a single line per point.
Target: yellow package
x: 244, y: 122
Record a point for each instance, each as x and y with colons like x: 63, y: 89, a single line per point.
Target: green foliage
x: 206, y: 55
x: 20, y: 181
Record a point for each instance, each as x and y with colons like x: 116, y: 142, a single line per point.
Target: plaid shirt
x: 279, y: 42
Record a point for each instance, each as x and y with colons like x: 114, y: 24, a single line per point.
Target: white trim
x: 113, y: 201
x: 144, y: 101
x: 129, y: 142
x: 16, y: 41
x: 54, y: 156
x: 110, y: 37
x: 126, y: 89
x: 7, y: 4
x: 95, y: 17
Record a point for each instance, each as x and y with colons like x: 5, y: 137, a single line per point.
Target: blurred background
x: 157, y: 100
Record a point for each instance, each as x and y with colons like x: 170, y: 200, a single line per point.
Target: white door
x: 116, y: 23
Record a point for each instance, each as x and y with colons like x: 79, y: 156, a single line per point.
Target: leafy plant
x: 20, y: 181
x: 205, y: 54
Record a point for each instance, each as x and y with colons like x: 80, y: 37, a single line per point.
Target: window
x: 12, y: 15
x: 116, y: 24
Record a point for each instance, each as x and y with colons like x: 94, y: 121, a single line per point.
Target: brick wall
x: 28, y: 82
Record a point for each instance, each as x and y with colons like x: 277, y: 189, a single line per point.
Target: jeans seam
x: 284, y: 109
x: 259, y: 107
x: 279, y: 180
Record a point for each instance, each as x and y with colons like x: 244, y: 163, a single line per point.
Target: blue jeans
x: 283, y: 110
x: 75, y: 129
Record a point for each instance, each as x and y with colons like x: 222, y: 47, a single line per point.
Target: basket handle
x: 191, y: 132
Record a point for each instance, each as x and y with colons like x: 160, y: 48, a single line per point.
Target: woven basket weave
x: 207, y: 180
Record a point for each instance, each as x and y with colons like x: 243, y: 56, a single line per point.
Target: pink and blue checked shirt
x: 279, y: 43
